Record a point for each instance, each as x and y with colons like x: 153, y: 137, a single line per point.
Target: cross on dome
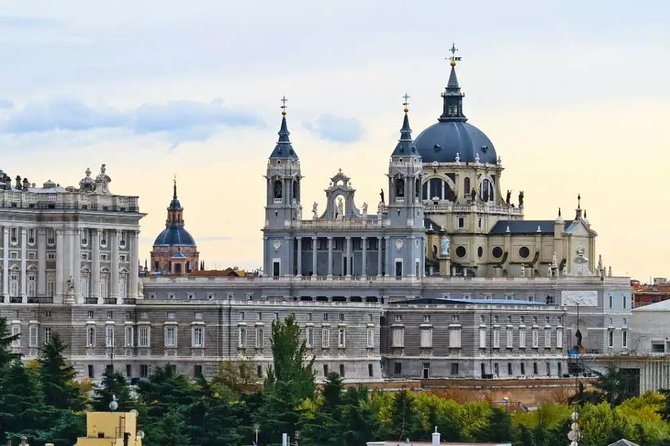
x: 406, y: 103
x: 453, y: 58
x: 283, y: 105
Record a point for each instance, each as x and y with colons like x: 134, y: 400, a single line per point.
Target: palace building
x: 444, y: 279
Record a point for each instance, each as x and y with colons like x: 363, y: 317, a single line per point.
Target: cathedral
x: 444, y: 279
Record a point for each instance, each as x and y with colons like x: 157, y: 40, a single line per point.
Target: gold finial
x: 453, y: 58
x: 406, y: 103
x: 283, y: 105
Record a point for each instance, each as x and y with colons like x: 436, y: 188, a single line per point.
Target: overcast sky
x: 573, y: 94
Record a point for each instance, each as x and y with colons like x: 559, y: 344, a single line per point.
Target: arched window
x: 436, y: 189
x: 399, y: 187
x: 277, y: 189
x: 486, y: 190
x: 417, y: 187
x: 296, y: 191
x: 466, y: 186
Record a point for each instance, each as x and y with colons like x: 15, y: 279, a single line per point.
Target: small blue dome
x: 442, y: 141
x: 174, y: 236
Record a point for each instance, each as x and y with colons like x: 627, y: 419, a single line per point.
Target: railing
x: 109, y: 301
x: 15, y: 300
x: 91, y: 300
x: 41, y: 300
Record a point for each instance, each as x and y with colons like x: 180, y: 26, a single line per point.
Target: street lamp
x: 257, y: 430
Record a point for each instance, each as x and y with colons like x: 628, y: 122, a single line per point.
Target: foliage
x: 58, y: 377
x: 113, y: 385
x: 6, y: 338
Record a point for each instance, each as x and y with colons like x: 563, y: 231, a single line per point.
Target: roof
x: 228, y: 272
x: 526, y: 226
x: 178, y: 255
x: 451, y: 301
x: 441, y: 142
x: 405, y: 145
x: 174, y: 235
x: 661, y: 306
x: 283, y: 149
x: 623, y: 442
x: 430, y: 225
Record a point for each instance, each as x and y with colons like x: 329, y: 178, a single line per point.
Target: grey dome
x: 442, y: 141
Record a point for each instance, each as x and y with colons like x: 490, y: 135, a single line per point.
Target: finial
x: 283, y: 105
x: 406, y: 103
x: 559, y: 212
x: 453, y: 58
x: 174, y: 186
x: 579, y: 201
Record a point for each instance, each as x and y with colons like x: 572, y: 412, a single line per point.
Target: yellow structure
x: 111, y: 429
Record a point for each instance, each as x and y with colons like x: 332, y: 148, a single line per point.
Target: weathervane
x: 453, y: 58
x: 283, y: 105
x: 406, y: 103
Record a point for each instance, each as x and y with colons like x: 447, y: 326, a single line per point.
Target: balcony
x: 41, y: 300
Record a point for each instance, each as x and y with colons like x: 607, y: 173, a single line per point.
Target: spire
x: 174, y: 204
x: 405, y: 144
x: 578, y: 211
x: 452, y: 97
x: 283, y: 149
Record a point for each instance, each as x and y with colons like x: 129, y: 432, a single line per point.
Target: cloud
x: 336, y: 128
x: 178, y: 120
x: 25, y: 22
x: 6, y: 103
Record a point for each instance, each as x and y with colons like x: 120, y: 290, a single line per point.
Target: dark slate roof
x: 442, y: 141
x: 430, y: 225
x: 283, y: 149
x: 526, y: 226
x: 405, y: 145
x: 174, y: 236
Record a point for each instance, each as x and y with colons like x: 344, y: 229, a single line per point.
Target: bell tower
x: 405, y: 207
x: 282, y: 206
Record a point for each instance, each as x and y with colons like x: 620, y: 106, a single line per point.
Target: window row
x: 143, y: 334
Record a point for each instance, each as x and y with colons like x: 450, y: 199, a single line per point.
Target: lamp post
x: 257, y: 430
x: 574, y: 435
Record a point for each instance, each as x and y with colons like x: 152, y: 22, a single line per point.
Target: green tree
x: 289, y: 382
x: 404, y: 420
x: 360, y: 421
x: 616, y: 385
x: 22, y: 411
x: 6, y: 338
x: 58, y: 377
x: 322, y: 421
x: 169, y: 430
x: 113, y: 384
x: 213, y: 416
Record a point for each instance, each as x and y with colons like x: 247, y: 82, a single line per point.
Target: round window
x: 460, y: 251
x: 524, y: 252
x: 497, y: 252
x: 480, y: 251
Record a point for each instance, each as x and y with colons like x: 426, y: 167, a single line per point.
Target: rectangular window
x: 170, y: 337
x: 259, y: 371
x: 426, y: 338
x: 398, y: 337
x: 109, y: 336
x: 129, y: 335
x: 342, y: 370
x: 371, y: 371
x: 325, y: 337
x: 482, y: 338
x: 259, y: 338
x: 509, y: 368
x: 91, y: 371
x: 559, y: 338
x: 455, y: 338
x: 547, y: 338
x: 47, y: 334
x: 397, y: 368
x: 90, y: 336
x: 197, y: 371
x: 510, y: 337
x: 341, y: 337
x: 454, y: 369
x: 523, y: 369
x: 522, y: 338
x: 129, y: 370
x: 309, y: 337
x: 198, y: 337
x: 371, y: 338
x: 33, y: 334
x: 325, y: 370
x: 242, y: 337
x: 535, y: 368
x: 461, y: 222
x: 144, y: 337
x: 624, y: 338
x: 624, y: 302
x: 496, y: 338
x: 536, y: 338
x: 144, y: 371
x: 610, y: 338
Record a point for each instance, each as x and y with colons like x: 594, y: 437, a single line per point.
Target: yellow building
x: 111, y: 429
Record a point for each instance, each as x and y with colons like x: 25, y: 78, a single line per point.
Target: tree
x: 22, y: 411
x: 289, y: 382
x: 360, y: 421
x: 214, y: 418
x: 6, y: 338
x: 58, y: 377
x: 113, y: 384
x: 169, y: 430
x: 322, y: 424
x: 404, y: 421
x: 616, y: 385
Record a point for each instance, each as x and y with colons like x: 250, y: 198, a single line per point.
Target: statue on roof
x: 381, y: 195
x: 315, y: 206
x: 102, y: 181
x: 508, y: 197
x: 340, y: 209
x: 521, y: 199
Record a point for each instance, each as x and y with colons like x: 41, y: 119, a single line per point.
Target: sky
x: 573, y: 94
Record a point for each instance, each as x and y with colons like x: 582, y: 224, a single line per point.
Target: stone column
x: 389, y: 255
x: 114, y: 240
x: 364, y: 260
x: 60, y: 265
x: 330, y: 257
x: 379, y: 255
x: 134, y: 262
x: 349, y: 262
x: 412, y: 260
x: 76, y: 264
x: 5, y: 263
x: 95, y: 265
x: 299, y: 257
x: 314, y: 256
x: 24, y: 269
x: 41, y: 262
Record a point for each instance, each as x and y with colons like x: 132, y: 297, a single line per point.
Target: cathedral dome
x: 174, y: 236
x: 441, y: 142
x: 452, y: 139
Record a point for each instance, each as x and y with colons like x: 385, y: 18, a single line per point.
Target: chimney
x: 436, y: 437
